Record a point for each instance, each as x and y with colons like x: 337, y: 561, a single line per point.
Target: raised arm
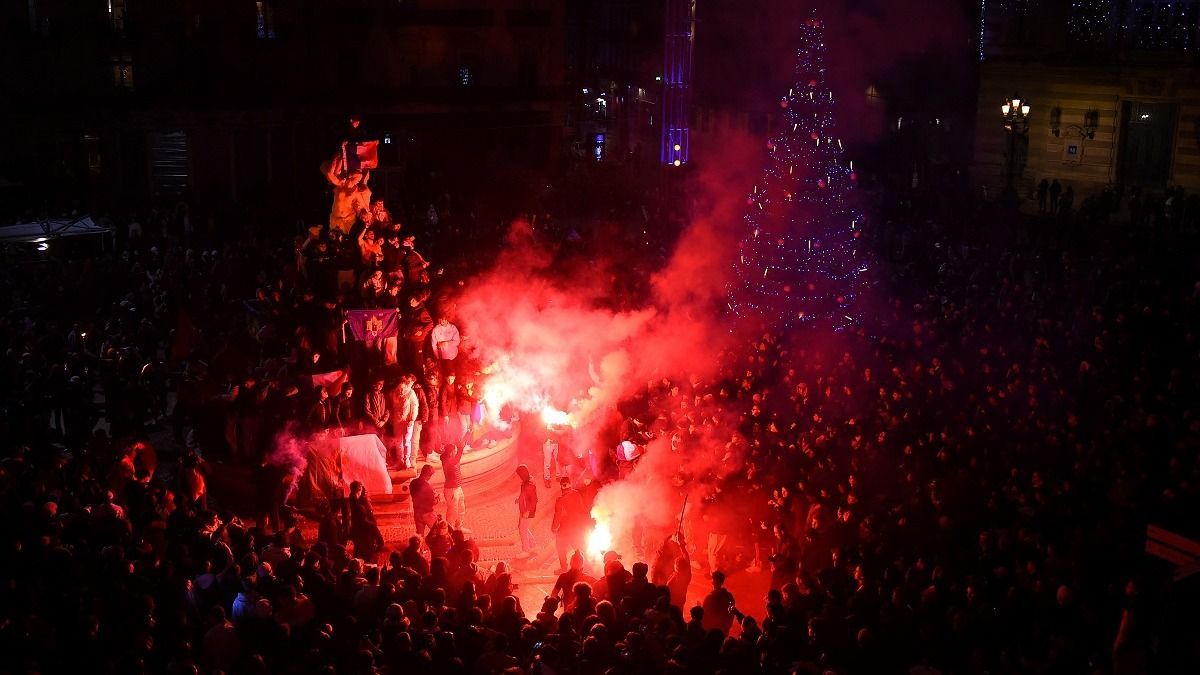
x: 331, y: 169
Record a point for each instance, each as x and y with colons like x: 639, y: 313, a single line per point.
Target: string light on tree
x: 804, y: 262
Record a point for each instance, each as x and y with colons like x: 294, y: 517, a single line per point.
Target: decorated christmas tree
x: 803, y: 260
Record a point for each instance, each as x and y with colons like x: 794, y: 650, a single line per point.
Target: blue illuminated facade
x: 677, y: 79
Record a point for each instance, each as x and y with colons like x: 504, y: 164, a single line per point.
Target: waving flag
x: 358, y: 155
x: 333, y: 381
x: 373, y: 325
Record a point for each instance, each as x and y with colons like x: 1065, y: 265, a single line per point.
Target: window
x: 170, y: 165
x: 38, y: 24
x: 541, y: 18
x: 122, y: 68
x: 264, y: 16
x: 527, y: 68
x: 91, y: 151
x: 116, y: 16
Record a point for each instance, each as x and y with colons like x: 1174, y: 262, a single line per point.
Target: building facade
x: 237, y: 101
x: 1112, y: 90
x: 615, y: 66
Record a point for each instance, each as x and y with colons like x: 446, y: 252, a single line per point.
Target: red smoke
x: 552, y: 339
x: 549, y: 338
x: 546, y: 340
x: 652, y: 496
x: 289, y: 451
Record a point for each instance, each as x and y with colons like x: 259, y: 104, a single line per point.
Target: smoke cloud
x: 289, y: 452
x: 562, y: 339
x: 546, y: 340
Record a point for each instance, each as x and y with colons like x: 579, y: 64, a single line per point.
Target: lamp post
x: 1016, y: 123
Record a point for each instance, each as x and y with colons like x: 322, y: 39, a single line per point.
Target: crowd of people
x: 966, y: 492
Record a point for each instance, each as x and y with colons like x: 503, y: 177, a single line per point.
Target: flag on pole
x: 333, y: 381
x: 360, y: 155
x: 373, y: 325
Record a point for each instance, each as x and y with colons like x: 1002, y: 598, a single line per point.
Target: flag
x: 332, y: 381
x: 358, y: 155
x: 373, y: 325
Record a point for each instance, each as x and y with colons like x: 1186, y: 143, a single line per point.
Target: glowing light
x: 678, y: 147
x: 982, y: 26
x: 599, y: 540
x: 554, y: 417
x: 677, y: 163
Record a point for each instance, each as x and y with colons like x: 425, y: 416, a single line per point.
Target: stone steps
x: 486, y: 472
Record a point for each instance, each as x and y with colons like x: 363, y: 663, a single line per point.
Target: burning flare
x: 554, y: 417
x: 599, y: 541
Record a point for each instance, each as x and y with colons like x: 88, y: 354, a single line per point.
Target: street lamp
x: 1016, y: 123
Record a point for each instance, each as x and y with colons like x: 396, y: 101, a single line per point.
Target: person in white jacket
x: 445, y: 340
x: 407, y: 409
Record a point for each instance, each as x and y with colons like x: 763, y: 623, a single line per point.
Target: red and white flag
x: 360, y: 155
x: 332, y: 381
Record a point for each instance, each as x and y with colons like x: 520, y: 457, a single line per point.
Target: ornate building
x: 237, y: 101
x: 1112, y: 90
